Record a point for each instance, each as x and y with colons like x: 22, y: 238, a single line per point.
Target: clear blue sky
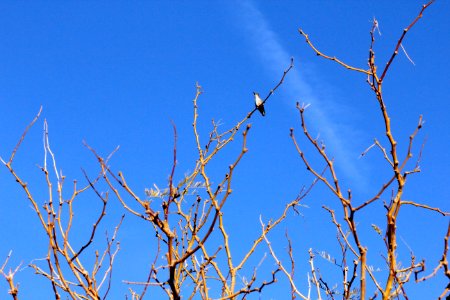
x: 117, y: 73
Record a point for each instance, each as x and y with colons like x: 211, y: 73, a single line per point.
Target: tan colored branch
x: 400, y: 40
x: 9, y: 277
x: 318, y: 53
x: 280, y: 266
x: 436, y: 209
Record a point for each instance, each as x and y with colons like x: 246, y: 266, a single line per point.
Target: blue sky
x: 117, y: 73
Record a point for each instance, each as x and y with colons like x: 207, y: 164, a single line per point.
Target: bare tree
x: 186, y: 214
x: 184, y: 217
x: 194, y: 256
x: 64, y: 265
x: 354, y: 265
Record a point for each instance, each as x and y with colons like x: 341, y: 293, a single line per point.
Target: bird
x: 259, y: 104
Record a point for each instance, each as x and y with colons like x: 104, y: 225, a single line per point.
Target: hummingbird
x: 259, y: 104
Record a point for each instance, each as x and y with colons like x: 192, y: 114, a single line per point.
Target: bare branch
x: 399, y: 42
x: 11, y: 158
x: 318, y: 53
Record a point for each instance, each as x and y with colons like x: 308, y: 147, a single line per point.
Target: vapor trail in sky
x: 274, y: 56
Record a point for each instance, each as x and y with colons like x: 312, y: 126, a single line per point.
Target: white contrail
x: 273, y: 55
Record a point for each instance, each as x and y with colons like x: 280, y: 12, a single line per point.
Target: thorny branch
x: 397, y: 277
x: 66, y: 271
x: 183, y: 227
x: 9, y: 277
x: 186, y: 213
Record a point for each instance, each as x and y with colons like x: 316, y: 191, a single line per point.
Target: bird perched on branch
x: 259, y: 104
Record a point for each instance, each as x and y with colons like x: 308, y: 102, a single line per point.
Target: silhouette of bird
x: 259, y: 104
